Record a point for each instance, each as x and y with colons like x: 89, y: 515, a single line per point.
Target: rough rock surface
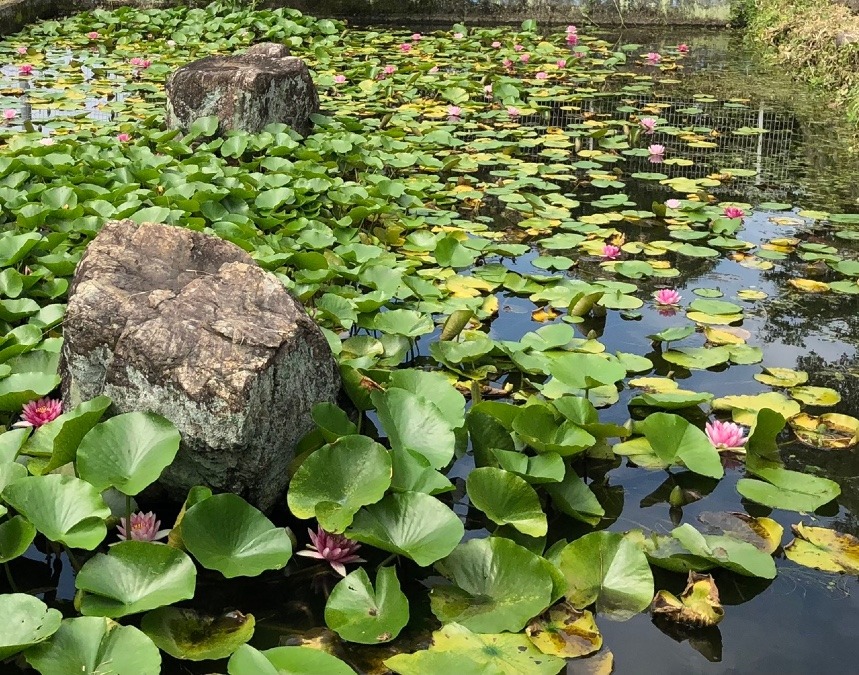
x: 187, y: 325
x: 247, y: 92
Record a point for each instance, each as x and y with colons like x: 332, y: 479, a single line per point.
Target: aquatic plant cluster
x: 433, y: 187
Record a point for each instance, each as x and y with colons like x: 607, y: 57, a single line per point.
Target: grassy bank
x: 816, y: 39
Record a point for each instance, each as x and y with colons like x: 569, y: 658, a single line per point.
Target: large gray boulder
x: 247, y: 92
x: 187, y: 325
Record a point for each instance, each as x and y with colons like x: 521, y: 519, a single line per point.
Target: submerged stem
x: 72, y: 559
x: 9, y: 578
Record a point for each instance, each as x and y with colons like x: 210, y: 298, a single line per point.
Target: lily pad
x: 698, y: 606
x: 25, y: 621
x: 359, y: 613
x: 824, y: 549
x: 563, y: 630
x: 507, y: 499
x: 187, y: 634
x: 285, y: 661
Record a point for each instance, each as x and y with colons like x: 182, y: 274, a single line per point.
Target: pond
x: 489, y: 225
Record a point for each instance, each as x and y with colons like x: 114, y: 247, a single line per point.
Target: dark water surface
x: 803, y: 621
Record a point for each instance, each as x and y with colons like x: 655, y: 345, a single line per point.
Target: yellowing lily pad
x: 749, y: 294
x: 809, y: 285
x: 822, y: 396
x: 744, y: 409
x: 762, y: 533
x: 656, y: 385
x: 714, y: 319
x: 824, y: 549
x: 565, y: 631
x: 726, y: 336
x: 782, y: 377
x: 831, y: 431
x: 697, y: 606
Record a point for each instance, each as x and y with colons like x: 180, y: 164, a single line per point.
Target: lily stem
x: 74, y: 561
x: 128, y: 516
x: 476, y: 396
x: 9, y: 578
x: 386, y: 561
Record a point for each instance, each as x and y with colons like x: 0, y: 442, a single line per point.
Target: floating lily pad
x: 507, y: 499
x: 290, y: 660
x: 359, y: 613
x: 697, y: 606
x: 187, y: 634
x: 824, y: 549
x: 25, y: 621
x: 562, y: 630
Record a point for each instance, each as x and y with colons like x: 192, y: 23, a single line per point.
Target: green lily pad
x: 25, y: 621
x: 285, y: 661
x: 187, y: 634
x: 359, y: 613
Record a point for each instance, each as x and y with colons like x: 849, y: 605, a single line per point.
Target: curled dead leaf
x: 698, y: 606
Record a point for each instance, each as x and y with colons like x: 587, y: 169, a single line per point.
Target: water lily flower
x: 388, y: 70
x: 656, y: 149
x: 171, y: 43
x: 518, y: 48
x: 10, y: 113
x: 487, y: 90
x: 726, y: 435
x: 144, y: 527
x: 93, y: 35
x: 541, y: 75
x: 572, y: 39
x: 653, y: 58
x: 417, y: 37
x: 123, y: 138
x: 524, y: 58
x: 47, y: 140
x: 406, y: 47
x: 26, y: 69
x: 507, y: 63
x: 339, y: 79
x: 610, y: 252
x: 579, y: 55
x: 561, y: 63
x: 36, y: 413
x: 496, y: 44
x: 734, y: 212
x: 140, y: 63
x: 458, y: 36
x: 683, y: 48
x: 22, y: 50
x: 648, y: 124
x: 513, y: 111
x: 433, y: 70
x: 335, y: 549
x: 454, y: 111
x: 572, y: 29
x: 673, y: 203
x: 667, y: 296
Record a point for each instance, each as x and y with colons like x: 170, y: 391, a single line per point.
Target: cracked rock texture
x: 187, y: 325
x: 246, y: 92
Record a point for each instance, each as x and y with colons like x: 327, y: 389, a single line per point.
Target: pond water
x: 732, y: 127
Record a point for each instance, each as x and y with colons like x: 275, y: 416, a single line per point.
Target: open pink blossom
x: 518, y: 48
x: 406, y: 47
x: 673, y: 203
x: 648, y: 124
x: 513, y: 111
x: 433, y: 70
x: 93, y: 35
x: 487, y: 90
x: 454, y: 111
x: 656, y: 149
x: 388, y: 70
x: 123, y: 138
x: 458, y: 36
x: 339, y: 79
x: 579, y: 55
x: 507, y: 63
x: 140, y: 63
x: 144, y: 527
x: 726, y: 435
x: 610, y: 252
x: 541, y: 75
x: 683, y: 48
x: 36, y: 413
x: 524, y: 58
x: 734, y: 212
x: 337, y: 550
x: 572, y: 39
x: 571, y: 29
x: 47, y: 140
x: 10, y: 114
x: 667, y: 296
x: 561, y: 63
x: 21, y: 50
x: 26, y: 69
x: 417, y: 37
x: 653, y: 58
x: 496, y: 44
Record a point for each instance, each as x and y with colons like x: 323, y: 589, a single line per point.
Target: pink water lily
x: 507, y: 63
x: 683, y: 48
x: 339, y: 79
x: 46, y: 141
x: 454, y: 111
x: 673, y: 203
x: 518, y: 48
x: 26, y: 69
x: 140, y: 63
x: 10, y: 114
x: 144, y: 527
x: 653, y: 58
x: 648, y: 124
x: 524, y: 58
x: 561, y: 63
x: 433, y: 70
x: 458, y: 36
x: 513, y: 111
x: 734, y: 212
x: 21, y: 50
x: 610, y: 252
x: 572, y: 39
x: 93, y: 35
x: 337, y: 550
x: 656, y: 149
x: 726, y: 435
x: 541, y: 75
x: 496, y: 44
x: 667, y: 296
x: 417, y: 37
x: 123, y: 138
x: 389, y: 70
x: 406, y: 47
x: 571, y: 29
x: 36, y: 413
